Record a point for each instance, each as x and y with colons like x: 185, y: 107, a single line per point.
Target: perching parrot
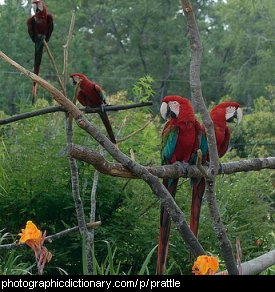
x: 90, y: 94
x: 180, y: 142
x: 40, y: 27
x: 221, y: 114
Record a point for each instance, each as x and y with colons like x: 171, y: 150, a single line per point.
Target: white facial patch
x: 164, y: 110
x: 174, y: 107
x: 230, y: 112
x: 239, y: 115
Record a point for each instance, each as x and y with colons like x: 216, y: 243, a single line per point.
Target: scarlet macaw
x: 180, y: 142
x: 90, y: 94
x: 40, y: 27
x: 221, y: 114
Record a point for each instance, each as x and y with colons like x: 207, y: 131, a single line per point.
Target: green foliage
x: 255, y: 137
x: 107, y: 267
x: 269, y: 272
x: 143, y: 89
x: 10, y: 263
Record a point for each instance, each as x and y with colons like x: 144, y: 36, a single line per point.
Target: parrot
x: 223, y: 113
x: 180, y: 142
x: 90, y: 94
x: 40, y: 27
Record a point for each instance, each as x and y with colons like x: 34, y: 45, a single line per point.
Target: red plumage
x: 40, y: 27
x: 90, y: 94
x: 222, y: 132
x: 180, y: 141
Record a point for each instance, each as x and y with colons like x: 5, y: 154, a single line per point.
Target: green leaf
x: 147, y: 260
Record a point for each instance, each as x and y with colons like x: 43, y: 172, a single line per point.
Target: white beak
x: 164, y: 110
x: 33, y: 9
x: 239, y: 115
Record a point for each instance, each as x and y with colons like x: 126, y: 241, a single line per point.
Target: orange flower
x: 31, y: 232
x: 205, y: 265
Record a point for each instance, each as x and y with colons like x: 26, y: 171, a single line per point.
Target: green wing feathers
x: 169, y: 142
x: 203, y: 145
x: 101, y: 93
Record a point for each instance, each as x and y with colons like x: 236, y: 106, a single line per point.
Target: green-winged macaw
x: 223, y: 113
x: 180, y: 142
x: 90, y: 94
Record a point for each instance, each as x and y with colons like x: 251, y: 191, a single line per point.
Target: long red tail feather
x: 107, y: 124
x: 37, y: 62
x: 197, y: 194
x: 164, y: 230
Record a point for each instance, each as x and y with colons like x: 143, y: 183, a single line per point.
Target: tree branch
x: 195, y: 82
x: 54, y: 66
x: 55, y: 109
x: 168, y: 171
x: 66, y: 51
x: 156, y: 186
x: 53, y: 237
x: 257, y: 265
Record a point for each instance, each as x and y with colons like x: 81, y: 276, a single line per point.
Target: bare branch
x: 54, y: 66
x: 66, y: 51
x: 257, y: 265
x: 64, y: 233
x: 55, y: 109
x: 168, y: 171
x: 195, y: 82
x: 53, y: 237
x: 219, y: 228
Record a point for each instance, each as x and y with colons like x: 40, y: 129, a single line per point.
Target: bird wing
x: 169, y: 142
x: 101, y: 93
x: 224, y: 146
x: 30, y: 24
x: 50, y: 27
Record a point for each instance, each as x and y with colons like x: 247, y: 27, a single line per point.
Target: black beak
x: 235, y: 116
x: 171, y: 114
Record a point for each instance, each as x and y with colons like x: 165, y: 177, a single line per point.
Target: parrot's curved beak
x: 164, y: 110
x: 34, y: 9
x: 236, y: 115
x: 239, y: 115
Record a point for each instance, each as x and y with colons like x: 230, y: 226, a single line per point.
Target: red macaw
x: 40, y: 27
x: 180, y: 142
x: 221, y: 114
x: 90, y: 94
